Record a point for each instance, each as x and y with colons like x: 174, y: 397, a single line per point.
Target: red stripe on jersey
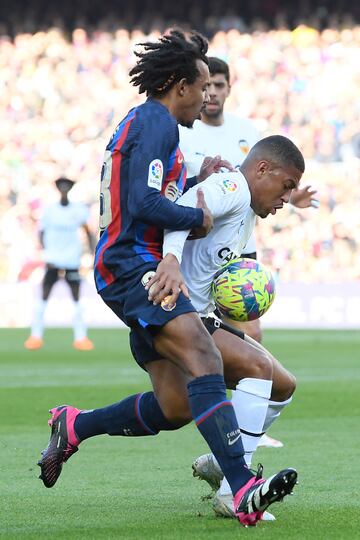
x: 153, y: 242
x: 175, y: 171
x: 114, y: 228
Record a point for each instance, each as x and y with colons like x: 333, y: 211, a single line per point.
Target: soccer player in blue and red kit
x: 142, y: 176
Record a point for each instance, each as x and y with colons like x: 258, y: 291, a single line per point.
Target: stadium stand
x: 64, y: 87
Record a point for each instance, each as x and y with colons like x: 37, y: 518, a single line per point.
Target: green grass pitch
x: 142, y: 488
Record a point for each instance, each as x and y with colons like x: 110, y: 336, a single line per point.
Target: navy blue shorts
x: 128, y: 299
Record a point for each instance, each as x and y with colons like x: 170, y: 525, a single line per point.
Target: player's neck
x: 214, y: 121
x: 64, y: 201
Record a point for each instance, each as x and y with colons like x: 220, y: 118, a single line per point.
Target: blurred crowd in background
x: 207, y: 16
x: 63, y: 92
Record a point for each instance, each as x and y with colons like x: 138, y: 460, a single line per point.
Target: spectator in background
x: 58, y: 98
x: 59, y: 236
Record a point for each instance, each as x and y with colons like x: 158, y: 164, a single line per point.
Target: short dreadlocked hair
x: 164, y: 63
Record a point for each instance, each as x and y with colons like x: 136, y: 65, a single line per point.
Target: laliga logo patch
x: 229, y: 186
x: 244, y: 146
x: 171, y: 191
x: 155, y: 174
x: 165, y: 304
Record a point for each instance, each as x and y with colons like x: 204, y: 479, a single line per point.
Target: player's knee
x: 284, y: 388
x: 261, y: 366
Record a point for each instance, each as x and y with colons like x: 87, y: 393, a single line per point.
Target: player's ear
x: 262, y: 167
x: 181, y: 86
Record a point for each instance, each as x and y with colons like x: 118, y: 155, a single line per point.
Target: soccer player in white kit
x: 222, y: 133
x: 59, y: 236
x: 232, y: 199
x: 230, y: 136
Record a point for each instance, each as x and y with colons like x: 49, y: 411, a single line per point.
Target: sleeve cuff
x: 199, y: 217
x: 173, y: 252
x: 190, y: 182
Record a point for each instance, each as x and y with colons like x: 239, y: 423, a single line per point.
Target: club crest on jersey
x: 171, y: 191
x: 244, y: 146
x: 155, y: 174
x: 228, y: 186
x: 165, y: 304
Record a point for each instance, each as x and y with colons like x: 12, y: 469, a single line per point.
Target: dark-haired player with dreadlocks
x: 142, y: 177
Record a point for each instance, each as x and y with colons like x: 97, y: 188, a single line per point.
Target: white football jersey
x: 60, y: 225
x: 232, y: 141
x: 228, y: 198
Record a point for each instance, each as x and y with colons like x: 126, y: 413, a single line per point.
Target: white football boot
x: 206, y: 468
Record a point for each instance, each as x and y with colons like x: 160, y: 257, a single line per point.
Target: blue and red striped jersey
x: 142, y: 176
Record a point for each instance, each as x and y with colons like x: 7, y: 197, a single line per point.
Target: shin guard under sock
x: 215, y: 418
x: 134, y: 416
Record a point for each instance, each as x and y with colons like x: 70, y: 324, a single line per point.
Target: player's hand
x: 167, y: 282
x: 208, y: 222
x: 212, y: 165
x: 304, y: 198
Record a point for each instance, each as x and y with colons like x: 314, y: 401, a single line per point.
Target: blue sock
x: 215, y: 418
x: 134, y: 416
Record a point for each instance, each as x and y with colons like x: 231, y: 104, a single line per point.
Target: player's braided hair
x: 280, y: 150
x: 163, y: 63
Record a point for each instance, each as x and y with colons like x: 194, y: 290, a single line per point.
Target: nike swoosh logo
x: 233, y: 441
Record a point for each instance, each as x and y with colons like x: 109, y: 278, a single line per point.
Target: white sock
x: 274, y: 411
x: 37, y: 327
x: 250, y: 401
x: 79, y: 326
